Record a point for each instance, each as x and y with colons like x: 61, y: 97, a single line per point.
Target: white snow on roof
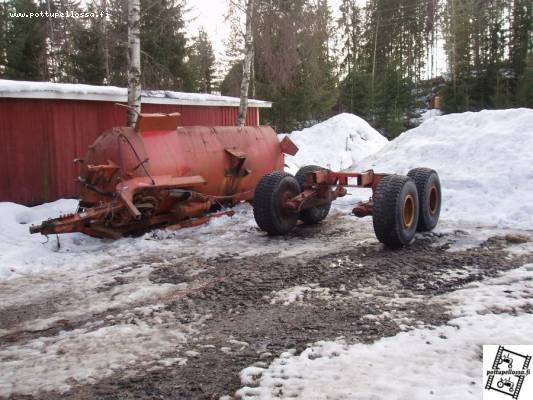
x: 70, y: 91
x: 484, y: 160
x: 335, y: 143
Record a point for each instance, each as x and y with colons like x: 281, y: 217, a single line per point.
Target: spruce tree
x: 202, y: 63
x: 294, y: 66
x: 164, y: 46
x: 86, y: 61
x: 25, y: 45
x: 521, y: 52
x: 117, y: 38
x: 384, y: 45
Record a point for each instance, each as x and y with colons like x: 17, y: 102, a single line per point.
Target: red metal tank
x: 160, y: 175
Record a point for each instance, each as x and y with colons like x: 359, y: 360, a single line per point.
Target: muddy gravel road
x: 169, y: 324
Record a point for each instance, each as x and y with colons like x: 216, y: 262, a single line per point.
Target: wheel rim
x: 408, y: 211
x: 433, y: 200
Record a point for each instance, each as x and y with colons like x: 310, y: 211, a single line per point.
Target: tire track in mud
x: 359, y: 294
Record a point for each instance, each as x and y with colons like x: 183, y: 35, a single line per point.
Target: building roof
x: 70, y: 91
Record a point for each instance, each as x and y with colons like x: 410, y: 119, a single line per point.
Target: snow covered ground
x: 484, y: 160
x: 439, y: 362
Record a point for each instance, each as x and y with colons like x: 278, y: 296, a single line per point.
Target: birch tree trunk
x: 106, y: 40
x: 134, y: 61
x: 246, y: 66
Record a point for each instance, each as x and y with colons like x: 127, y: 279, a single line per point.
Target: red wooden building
x: 45, y: 126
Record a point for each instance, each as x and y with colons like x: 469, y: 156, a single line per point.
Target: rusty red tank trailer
x: 161, y: 175
x: 400, y: 205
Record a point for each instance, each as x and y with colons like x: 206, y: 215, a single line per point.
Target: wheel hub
x: 408, y: 211
x: 433, y: 200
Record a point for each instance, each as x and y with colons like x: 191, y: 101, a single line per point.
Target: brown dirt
x: 244, y: 327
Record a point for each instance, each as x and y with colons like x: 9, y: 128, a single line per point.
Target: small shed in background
x: 45, y: 126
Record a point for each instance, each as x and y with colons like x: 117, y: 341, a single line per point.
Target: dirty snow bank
x: 22, y: 254
x: 483, y: 158
x: 335, y: 143
x: 93, y: 352
x: 442, y: 363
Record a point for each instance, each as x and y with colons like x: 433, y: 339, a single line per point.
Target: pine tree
x: 521, y: 52
x: 524, y: 91
x: 117, y: 39
x: 487, y: 45
x: 164, y: 46
x: 293, y: 64
x: 202, y: 63
x: 25, y: 46
x: 86, y: 62
x: 385, y: 45
x: 60, y: 33
x: 230, y: 85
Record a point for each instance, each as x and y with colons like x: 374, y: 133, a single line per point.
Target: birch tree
x: 134, y: 61
x: 105, y: 38
x: 247, y: 63
x: 292, y: 61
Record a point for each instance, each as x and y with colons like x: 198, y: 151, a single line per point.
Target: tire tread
x: 262, y: 203
x: 419, y: 176
x: 385, y: 201
x: 307, y: 216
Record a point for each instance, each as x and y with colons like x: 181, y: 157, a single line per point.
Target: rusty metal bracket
x: 363, y: 209
x: 199, y: 221
x: 157, y: 122
x: 324, y: 186
x: 287, y: 146
x: 75, y: 222
x: 238, y: 159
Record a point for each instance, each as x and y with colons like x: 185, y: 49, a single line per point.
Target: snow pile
x: 441, y: 363
x: 484, y: 160
x: 335, y: 144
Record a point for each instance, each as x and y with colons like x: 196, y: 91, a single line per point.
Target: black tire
x: 268, y: 213
x: 429, y: 197
x: 315, y: 214
x: 395, y: 212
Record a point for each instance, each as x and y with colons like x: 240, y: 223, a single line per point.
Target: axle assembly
x: 400, y: 205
